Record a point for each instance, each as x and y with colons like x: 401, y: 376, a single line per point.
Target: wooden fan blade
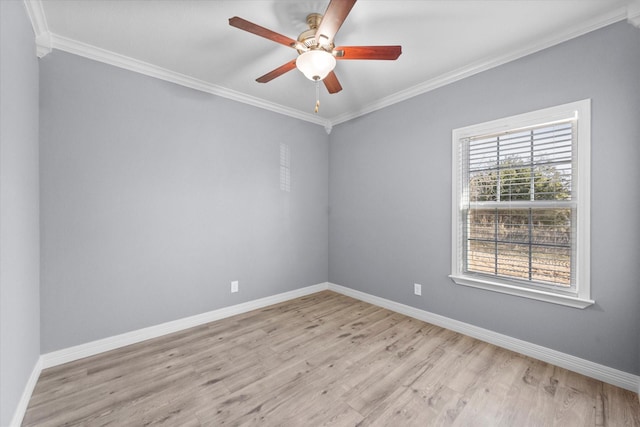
x: 243, y: 24
x: 331, y: 83
x: 332, y: 20
x: 368, y: 52
x: 277, y: 72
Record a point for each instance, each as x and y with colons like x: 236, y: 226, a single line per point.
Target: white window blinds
x: 519, y: 209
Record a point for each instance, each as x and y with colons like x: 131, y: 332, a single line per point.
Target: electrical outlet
x: 417, y: 289
x: 234, y: 286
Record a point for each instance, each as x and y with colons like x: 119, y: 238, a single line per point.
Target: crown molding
x: 121, y: 61
x: 46, y: 41
x: 488, y: 63
x: 43, y: 45
x: 40, y: 27
x: 633, y: 13
x: 37, y: 16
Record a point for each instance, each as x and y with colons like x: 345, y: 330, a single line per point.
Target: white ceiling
x: 191, y: 43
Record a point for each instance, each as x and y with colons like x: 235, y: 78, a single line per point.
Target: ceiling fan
x: 317, y: 53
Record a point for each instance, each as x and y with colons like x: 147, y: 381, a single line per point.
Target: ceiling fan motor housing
x: 308, y: 37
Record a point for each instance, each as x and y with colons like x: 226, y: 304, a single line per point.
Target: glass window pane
x: 552, y: 264
x: 482, y: 224
x: 513, y: 225
x: 527, y: 243
x: 551, y: 227
x: 481, y: 257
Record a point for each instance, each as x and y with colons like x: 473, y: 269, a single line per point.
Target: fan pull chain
x: 317, y: 96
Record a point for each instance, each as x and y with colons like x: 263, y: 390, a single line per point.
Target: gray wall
x: 390, y: 196
x: 155, y: 197
x: 19, y: 243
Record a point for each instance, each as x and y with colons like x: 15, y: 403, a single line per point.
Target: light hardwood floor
x: 324, y: 359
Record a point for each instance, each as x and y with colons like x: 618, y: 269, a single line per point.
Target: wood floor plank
x: 620, y: 406
x: 340, y: 415
x: 323, y: 359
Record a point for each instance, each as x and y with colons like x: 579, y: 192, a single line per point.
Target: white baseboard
x: 585, y: 367
x: 21, y: 409
x: 594, y: 370
x: 70, y: 354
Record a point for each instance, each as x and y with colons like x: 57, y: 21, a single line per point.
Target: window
x: 521, y: 205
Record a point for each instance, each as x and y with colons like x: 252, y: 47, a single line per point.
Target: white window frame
x: 580, y: 296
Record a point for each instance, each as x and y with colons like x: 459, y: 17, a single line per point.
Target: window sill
x: 539, y: 295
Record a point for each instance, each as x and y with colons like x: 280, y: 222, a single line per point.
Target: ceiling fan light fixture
x: 316, y: 64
